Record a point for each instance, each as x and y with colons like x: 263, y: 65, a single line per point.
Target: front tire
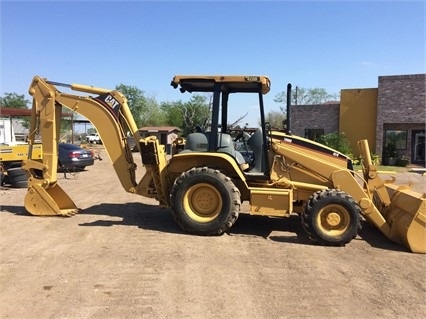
x: 204, y: 201
x: 331, y: 217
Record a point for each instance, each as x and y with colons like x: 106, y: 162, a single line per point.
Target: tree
x: 188, y: 115
x: 155, y: 116
x: 14, y: 100
x: 173, y: 114
x: 303, y: 96
x: 146, y: 111
x: 197, y: 111
x: 137, y: 102
x: 17, y: 101
x: 337, y: 141
x: 91, y: 130
x: 275, y: 119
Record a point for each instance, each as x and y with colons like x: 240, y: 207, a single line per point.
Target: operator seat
x: 225, y: 144
x: 256, y: 143
x: 198, y: 142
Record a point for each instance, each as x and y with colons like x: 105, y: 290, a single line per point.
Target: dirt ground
x: 124, y: 257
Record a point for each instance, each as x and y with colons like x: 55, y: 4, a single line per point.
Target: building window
x: 313, y: 134
x: 397, y: 138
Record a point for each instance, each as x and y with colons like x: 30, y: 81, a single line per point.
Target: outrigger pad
x: 149, y: 152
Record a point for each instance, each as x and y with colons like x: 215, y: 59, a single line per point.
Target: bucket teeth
x: 69, y: 212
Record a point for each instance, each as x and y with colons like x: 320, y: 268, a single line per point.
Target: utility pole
x: 288, y: 129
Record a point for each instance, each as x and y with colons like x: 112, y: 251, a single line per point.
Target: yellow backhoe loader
x: 205, y: 181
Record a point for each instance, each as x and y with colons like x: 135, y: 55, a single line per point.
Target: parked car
x: 73, y: 157
x: 93, y: 138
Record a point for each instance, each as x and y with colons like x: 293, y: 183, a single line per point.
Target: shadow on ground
x: 377, y: 239
x: 152, y: 217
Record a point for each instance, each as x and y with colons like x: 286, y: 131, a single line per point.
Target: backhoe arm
x: 108, y: 112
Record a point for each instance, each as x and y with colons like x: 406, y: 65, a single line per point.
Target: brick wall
x: 401, y: 104
x: 321, y: 116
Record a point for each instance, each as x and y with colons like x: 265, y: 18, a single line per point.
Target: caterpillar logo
x: 111, y: 101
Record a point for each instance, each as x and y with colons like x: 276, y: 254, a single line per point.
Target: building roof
x: 11, y: 111
x: 167, y: 129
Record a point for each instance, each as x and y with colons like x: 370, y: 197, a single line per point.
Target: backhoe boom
x: 108, y: 112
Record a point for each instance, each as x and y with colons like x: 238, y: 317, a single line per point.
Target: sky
x: 311, y: 44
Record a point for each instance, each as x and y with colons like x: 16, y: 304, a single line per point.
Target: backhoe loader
x: 207, y: 179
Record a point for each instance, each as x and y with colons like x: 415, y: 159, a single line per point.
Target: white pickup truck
x: 93, y: 138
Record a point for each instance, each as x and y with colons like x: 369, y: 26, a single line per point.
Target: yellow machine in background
x: 13, y: 155
x: 206, y: 179
x: 11, y: 158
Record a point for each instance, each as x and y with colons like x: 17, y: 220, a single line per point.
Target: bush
x: 375, y: 159
x: 390, y: 151
x: 337, y: 141
x: 401, y: 162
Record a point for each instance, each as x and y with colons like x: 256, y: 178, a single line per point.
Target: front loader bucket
x: 406, y: 216
x: 49, y: 201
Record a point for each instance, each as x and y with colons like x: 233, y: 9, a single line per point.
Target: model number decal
x: 251, y: 78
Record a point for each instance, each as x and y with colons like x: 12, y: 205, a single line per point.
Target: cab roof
x: 229, y: 83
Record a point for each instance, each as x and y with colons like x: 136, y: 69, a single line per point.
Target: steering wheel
x: 199, y: 129
x: 240, y: 134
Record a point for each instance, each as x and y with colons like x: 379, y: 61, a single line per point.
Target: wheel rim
x: 202, y: 202
x: 333, y: 220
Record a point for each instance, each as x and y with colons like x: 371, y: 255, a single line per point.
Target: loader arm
x: 397, y: 212
x: 108, y: 112
x: 403, y: 209
x: 329, y: 168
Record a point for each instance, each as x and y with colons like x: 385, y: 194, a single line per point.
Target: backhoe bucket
x: 49, y: 201
x: 406, y: 216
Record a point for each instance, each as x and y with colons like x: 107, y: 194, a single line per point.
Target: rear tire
x: 204, y: 201
x: 331, y: 217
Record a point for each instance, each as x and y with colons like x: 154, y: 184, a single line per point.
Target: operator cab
x: 217, y: 138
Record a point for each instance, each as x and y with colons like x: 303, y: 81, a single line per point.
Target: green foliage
x: 155, y: 116
x: 275, y: 119
x: 337, y: 141
x: 401, y: 162
x: 91, y: 130
x: 390, y: 151
x: 173, y: 114
x: 148, y: 112
x: 187, y: 115
x: 14, y: 100
x: 390, y: 154
x: 17, y: 101
x: 375, y: 159
x: 137, y: 102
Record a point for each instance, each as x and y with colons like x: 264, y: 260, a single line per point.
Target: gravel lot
x: 124, y: 257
